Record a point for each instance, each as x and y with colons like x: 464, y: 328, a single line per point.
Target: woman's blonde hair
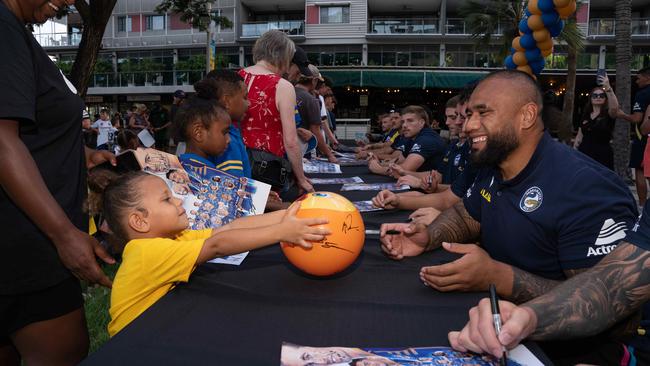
x: 276, y: 48
x: 140, y: 107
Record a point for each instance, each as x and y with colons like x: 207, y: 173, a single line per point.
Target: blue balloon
x: 527, y: 12
x: 537, y: 66
x: 550, y: 18
x: 533, y: 55
x: 556, y: 28
x: 509, y: 63
x: 528, y: 42
x: 545, y: 5
x: 523, y: 25
x: 512, y: 50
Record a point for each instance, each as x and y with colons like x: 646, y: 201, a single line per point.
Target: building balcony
x: 146, y: 78
x: 293, y: 28
x: 58, y: 39
x: 401, y: 26
x: 606, y: 27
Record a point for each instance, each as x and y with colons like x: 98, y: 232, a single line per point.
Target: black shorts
x: 636, y: 153
x: 18, y: 311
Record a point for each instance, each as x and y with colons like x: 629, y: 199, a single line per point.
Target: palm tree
x: 483, y: 18
x: 621, y: 144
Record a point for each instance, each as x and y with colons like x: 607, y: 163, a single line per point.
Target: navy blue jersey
x: 640, y: 234
x: 461, y: 184
x: 641, y: 100
x: 402, y: 144
x: 455, y: 160
x: 562, y: 211
x: 428, y: 144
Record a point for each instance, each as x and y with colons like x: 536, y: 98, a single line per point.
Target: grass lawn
x: 97, y: 300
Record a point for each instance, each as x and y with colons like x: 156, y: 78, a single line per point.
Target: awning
x: 418, y: 79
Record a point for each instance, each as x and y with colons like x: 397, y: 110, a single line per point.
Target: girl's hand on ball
x: 302, y: 231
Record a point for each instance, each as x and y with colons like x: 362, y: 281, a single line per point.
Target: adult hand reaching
x: 386, y: 199
x: 479, y: 335
x: 410, y: 242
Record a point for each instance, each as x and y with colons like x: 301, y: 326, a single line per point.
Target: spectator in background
x: 320, y: 91
x: 139, y: 120
x: 89, y: 136
x: 179, y: 98
x: 309, y: 109
x: 269, y: 124
x: 160, y: 122
x: 104, y: 129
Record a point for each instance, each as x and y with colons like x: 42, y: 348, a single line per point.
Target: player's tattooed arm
x: 527, y: 286
x: 454, y: 225
x: 596, y: 299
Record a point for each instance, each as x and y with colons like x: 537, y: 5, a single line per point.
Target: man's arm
x: 595, y: 300
x: 454, y: 225
x: 527, y: 286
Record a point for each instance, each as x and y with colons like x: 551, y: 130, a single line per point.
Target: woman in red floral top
x: 269, y: 123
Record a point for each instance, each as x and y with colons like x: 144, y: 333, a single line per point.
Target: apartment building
x: 378, y: 53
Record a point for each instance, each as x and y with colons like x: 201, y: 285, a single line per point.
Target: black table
x: 228, y: 315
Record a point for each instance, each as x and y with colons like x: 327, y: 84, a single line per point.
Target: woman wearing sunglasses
x: 597, y: 124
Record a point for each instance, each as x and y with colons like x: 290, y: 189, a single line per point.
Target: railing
x: 404, y: 26
x: 458, y: 26
x: 146, y: 78
x: 607, y: 27
x: 290, y: 27
x: 58, y: 39
x: 352, y: 128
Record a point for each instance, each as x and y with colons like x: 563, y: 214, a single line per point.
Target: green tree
x: 621, y: 140
x: 501, y: 17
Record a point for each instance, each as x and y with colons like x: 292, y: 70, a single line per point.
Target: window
x: 154, y: 22
x: 334, y: 14
x: 124, y: 24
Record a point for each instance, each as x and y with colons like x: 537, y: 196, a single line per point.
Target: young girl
x: 159, y: 251
x: 227, y: 89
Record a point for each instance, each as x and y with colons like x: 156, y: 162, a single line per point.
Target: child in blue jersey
x: 229, y: 90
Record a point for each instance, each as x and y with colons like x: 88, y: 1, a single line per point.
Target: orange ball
x: 541, y: 35
x: 567, y: 11
x: 516, y: 45
x: 532, y: 7
x: 338, y: 250
x: 535, y: 22
x: 561, y: 3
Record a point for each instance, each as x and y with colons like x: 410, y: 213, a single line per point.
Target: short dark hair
x: 453, y: 102
x: 104, y: 110
x: 218, y: 83
x: 197, y: 110
x: 418, y: 111
x: 522, y: 79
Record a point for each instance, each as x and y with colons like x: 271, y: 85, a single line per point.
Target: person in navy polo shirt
x: 584, y: 305
x: 541, y: 211
x: 421, y: 147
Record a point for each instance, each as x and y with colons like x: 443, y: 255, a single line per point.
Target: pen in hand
x: 496, y: 319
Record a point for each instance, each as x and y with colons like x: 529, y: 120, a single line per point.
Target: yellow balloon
x: 535, y: 22
x: 541, y: 35
x: 547, y: 51
x: 545, y: 44
x: 526, y: 69
x: 516, y: 45
x: 519, y: 58
x: 566, y: 11
x: 561, y: 3
x: 532, y: 7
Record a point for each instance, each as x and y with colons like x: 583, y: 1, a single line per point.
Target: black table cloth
x: 240, y: 315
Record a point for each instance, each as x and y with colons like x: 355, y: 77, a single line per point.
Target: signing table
x: 229, y: 315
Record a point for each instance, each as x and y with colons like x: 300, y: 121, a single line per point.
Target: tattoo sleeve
x: 527, y: 286
x: 453, y: 225
x: 596, y: 299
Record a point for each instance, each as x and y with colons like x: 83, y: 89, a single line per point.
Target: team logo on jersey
x: 531, y: 200
x: 68, y: 83
x: 457, y: 160
x: 416, y: 148
x: 611, y: 232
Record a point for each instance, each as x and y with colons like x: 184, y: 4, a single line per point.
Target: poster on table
x: 296, y: 355
x: 211, y: 198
